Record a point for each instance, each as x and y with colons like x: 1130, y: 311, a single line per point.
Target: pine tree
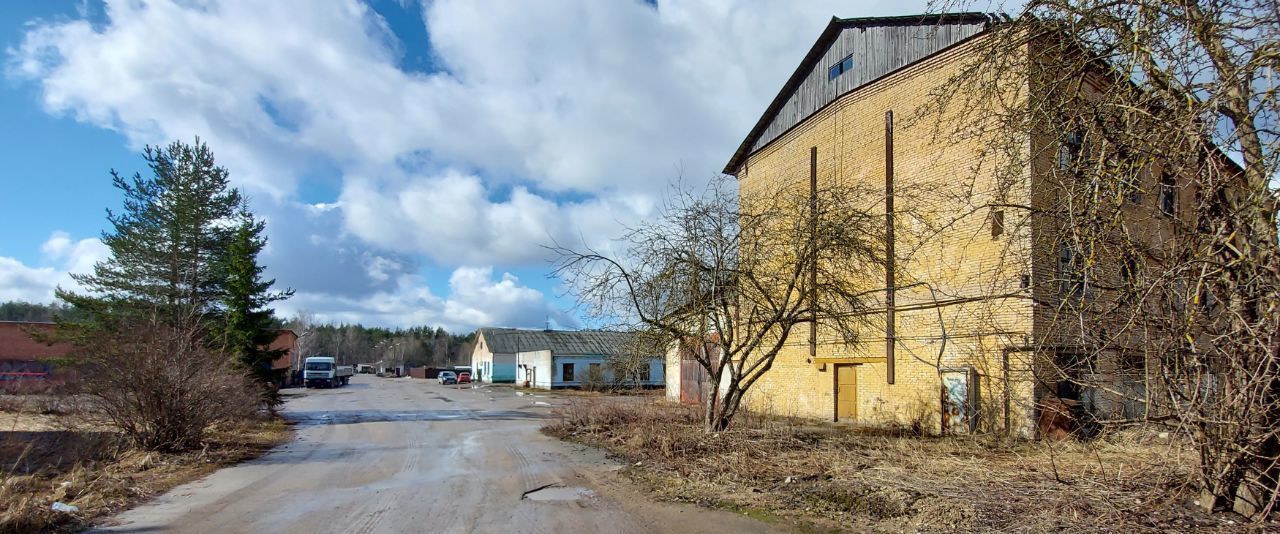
x: 248, y: 325
x: 168, y: 244
x: 179, y: 298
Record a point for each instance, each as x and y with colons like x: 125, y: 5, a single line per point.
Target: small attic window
x: 845, y: 65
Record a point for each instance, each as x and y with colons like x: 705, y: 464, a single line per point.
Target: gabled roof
x: 511, y: 340
x: 824, y: 41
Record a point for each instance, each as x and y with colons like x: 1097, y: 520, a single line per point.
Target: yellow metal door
x: 846, y: 392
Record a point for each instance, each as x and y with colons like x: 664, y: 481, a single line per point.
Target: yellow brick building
x: 953, y: 345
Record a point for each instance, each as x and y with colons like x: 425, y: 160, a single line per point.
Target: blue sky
x: 410, y: 158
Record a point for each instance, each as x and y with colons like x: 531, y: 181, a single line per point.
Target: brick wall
x: 946, y: 254
x: 287, y: 341
x: 16, y: 342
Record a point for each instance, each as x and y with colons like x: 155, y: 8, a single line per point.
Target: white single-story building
x: 492, y: 365
x: 549, y: 359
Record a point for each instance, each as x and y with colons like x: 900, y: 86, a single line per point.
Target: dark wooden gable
x: 877, y: 46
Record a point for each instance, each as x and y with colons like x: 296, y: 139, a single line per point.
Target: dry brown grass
x: 650, y: 393
x: 47, y: 458
x: 827, y: 477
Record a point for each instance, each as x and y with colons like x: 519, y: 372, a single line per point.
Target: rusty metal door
x: 960, y: 400
x: 693, y: 380
x: 846, y: 392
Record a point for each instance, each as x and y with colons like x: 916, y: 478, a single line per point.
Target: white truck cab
x: 323, y: 371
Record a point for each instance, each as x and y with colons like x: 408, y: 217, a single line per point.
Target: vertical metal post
x: 1004, y: 368
x: 889, y: 260
x: 813, y: 259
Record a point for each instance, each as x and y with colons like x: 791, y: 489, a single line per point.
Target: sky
x: 411, y: 159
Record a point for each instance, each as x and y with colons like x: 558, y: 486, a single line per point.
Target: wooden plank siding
x: 877, y: 50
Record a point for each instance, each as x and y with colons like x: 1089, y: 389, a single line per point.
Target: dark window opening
x: 1072, y: 368
x: 1129, y: 271
x: 845, y: 65
x: 1168, y: 195
x: 1070, y: 149
x: 1131, y: 362
x: 566, y: 372
x: 644, y: 373
x: 1204, y: 215
x: 1071, y: 273
x: 1203, y: 224
x: 1068, y: 390
x: 1131, y: 184
x: 997, y: 223
x: 1133, y: 189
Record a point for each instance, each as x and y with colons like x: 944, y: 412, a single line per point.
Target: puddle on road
x: 560, y: 493
x: 341, y: 417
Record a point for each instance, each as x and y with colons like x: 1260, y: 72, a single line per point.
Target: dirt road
x: 404, y: 455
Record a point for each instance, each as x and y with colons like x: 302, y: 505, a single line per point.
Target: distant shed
x: 557, y: 358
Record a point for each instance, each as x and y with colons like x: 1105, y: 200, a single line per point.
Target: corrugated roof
x: 824, y: 41
x: 510, y: 340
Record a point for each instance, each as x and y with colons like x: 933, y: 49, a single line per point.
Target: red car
x: 464, y: 378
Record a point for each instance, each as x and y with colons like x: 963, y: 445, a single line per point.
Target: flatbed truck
x: 324, y: 372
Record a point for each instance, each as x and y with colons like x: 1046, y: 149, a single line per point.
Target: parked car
x: 464, y: 378
x: 447, y: 377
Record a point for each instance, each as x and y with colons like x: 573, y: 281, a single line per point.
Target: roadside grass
x: 822, y: 477
x: 51, y: 457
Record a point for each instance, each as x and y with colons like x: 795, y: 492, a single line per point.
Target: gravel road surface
x: 406, y: 455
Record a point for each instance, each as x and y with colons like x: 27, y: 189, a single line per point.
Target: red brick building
x: 24, y: 357
x: 17, y: 343
x: 286, y: 340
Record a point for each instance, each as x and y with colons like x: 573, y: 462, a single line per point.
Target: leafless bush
x: 594, y: 379
x: 656, y: 427
x: 591, y: 413
x: 161, y: 386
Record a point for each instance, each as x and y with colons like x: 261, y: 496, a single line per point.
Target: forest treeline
x: 17, y: 310
x: 419, y: 346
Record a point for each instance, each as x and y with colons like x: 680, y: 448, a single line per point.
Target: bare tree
x: 746, y: 272
x: 303, y: 324
x: 1151, y: 128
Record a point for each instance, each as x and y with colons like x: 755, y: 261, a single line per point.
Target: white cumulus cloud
x: 475, y: 298
x: 61, y: 256
x: 558, y: 120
